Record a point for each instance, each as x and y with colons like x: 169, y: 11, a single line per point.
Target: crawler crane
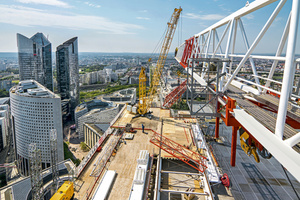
x: 145, y: 100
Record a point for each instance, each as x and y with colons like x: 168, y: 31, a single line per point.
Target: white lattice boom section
x: 209, y: 44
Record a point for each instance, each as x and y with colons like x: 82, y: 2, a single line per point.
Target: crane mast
x: 145, y: 101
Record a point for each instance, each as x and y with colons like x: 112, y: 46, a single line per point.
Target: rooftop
x: 94, y: 104
x: 4, y: 100
x: 250, y: 179
x: 31, y: 88
x: 67, y: 43
x: 40, y: 38
x: 99, y: 127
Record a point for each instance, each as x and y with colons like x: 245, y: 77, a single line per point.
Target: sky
x: 126, y: 25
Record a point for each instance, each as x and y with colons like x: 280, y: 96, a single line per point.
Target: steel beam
x: 279, y: 50
x: 176, y: 172
x: 184, y: 192
x: 289, y: 69
x: 217, y: 121
x: 256, y: 5
x: 256, y: 41
x: 233, y: 145
x: 247, y: 47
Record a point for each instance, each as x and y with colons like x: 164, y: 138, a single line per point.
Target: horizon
x: 127, y: 27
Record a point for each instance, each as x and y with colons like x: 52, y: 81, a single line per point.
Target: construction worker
x: 143, y: 128
x: 176, y: 51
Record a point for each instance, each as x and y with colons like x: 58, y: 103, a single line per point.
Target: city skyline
x: 129, y: 26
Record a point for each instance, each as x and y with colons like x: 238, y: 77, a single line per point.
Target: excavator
x: 146, y: 98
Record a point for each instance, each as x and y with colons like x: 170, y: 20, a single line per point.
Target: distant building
x: 4, y: 101
x: 65, y: 109
x: 124, y: 80
x: 35, y: 111
x: 125, y: 96
x: 4, y: 125
x: 102, y: 76
x: 134, y: 80
x: 35, y: 59
x: 93, y: 132
x: 4, y: 122
x: 94, y: 111
x: 3, y: 133
x: 68, y: 71
x: 6, y: 84
x: 85, y: 107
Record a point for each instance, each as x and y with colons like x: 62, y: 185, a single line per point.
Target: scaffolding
x: 210, y: 69
x: 54, y: 158
x: 35, y: 171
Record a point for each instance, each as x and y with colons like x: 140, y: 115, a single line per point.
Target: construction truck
x: 65, y: 192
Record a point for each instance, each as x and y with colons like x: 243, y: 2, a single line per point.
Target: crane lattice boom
x: 145, y: 102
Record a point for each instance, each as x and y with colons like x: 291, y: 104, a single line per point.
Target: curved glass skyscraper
x: 35, y: 59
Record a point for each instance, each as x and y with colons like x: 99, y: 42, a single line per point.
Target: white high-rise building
x: 35, y: 111
x: 4, y: 125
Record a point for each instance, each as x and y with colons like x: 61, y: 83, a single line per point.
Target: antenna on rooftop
x: 53, y: 152
x: 35, y: 171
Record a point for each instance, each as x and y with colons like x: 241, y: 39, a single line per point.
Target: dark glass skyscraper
x: 35, y: 59
x: 68, y: 71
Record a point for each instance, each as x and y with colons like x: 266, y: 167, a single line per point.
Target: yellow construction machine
x: 145, y: 100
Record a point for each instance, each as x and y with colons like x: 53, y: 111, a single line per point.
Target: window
x: 34, y: 49
x: 72, y: 47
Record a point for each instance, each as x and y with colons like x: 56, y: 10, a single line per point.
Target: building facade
x: 35, y: 111
x: 3, y: 132
x: 98, y: 116
x: 35, y: 59
x: 95, y: 111
x: 102, y: 76
x: 93, y: 132
x: 68, y: 71
x: 4, y: 125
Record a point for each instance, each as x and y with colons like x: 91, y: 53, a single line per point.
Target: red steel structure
x: 187, y: 51
x: 173, y: 96
x: 184, y: 154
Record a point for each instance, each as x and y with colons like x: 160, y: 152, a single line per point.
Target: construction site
x: 239, y: 138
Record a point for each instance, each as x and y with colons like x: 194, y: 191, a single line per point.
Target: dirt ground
x: 74, y: 146
x: 73, y: 138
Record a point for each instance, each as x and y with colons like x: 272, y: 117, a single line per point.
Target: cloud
x: 46, y: 2
x: 249, y: 16
x: 24, y: 16
x: 92, y: 5
x: 143, y: 11
x: 224, y: 8
x: 143, y: 18
x: 204, y: 17
x: 278, y: 19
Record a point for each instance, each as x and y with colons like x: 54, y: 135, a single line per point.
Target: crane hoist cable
x: 145, y: 101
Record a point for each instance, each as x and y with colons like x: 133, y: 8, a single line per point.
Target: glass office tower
x: 35, y: 59
x: 68, y: 71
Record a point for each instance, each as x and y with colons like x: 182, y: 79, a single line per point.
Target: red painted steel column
x: 217, y: 122
x: 233, y: 145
